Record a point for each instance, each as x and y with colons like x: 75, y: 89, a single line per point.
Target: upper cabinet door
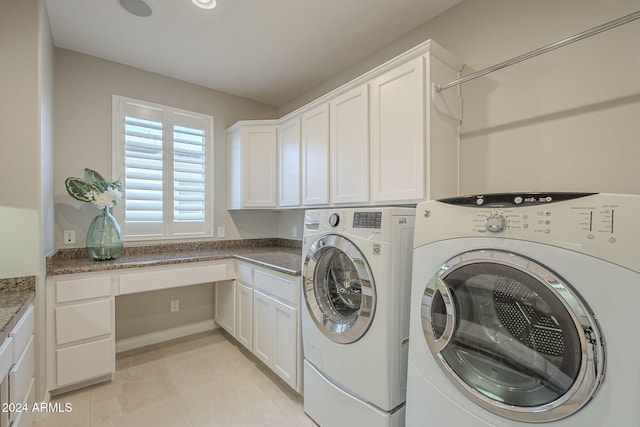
x: 289, y: 163
x: 252, y: 167
x: 398, y: 123
x: 349, y: 128
x: 315, y: 156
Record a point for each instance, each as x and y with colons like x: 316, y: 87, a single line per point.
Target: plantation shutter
x: 189, y: 174
x: 164, y: 172
x: 143, y: 172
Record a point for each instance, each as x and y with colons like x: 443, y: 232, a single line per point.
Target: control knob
x: 334, y: 220
x: 495, y: 223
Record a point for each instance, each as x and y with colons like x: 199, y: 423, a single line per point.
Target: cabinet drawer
x: 79, y: 289
x: 280, y: 286
x: 6, y: 357
x: 84, y: 362
x: 25, y: 418
x: 22, y: 332
x: 81, y: 321
x: 21, y: 374
x: 244, y: 273
x: 171, y: 278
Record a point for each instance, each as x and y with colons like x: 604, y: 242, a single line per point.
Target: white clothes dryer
x: 355, y: 321
x: 523, y: 309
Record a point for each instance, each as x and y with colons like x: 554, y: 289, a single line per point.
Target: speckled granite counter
x: 278, y: 254
x: 15, y: 296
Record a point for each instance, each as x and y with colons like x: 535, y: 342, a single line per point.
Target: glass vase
x: 104, y: 238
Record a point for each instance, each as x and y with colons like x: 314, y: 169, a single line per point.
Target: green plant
x: 94, y: 189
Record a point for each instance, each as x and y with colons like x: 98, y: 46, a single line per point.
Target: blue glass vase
x: 104, y: 238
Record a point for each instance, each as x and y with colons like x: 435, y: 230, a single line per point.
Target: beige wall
x: 26, y: 152
x: 567, y: 120
x: 19, y: 139
x: 146, y: 313
x: 84, y: 86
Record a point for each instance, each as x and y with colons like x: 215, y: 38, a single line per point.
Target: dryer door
x: 338, y: 289
x: 512, y: 336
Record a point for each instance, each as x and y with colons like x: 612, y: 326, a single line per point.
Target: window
x: 163, y: 157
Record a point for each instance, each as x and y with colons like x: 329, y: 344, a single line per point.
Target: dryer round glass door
x: 338, y: 288
x: 514, y: 337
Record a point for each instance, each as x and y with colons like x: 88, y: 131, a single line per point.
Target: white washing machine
x: 524, y: 310
x: 355, y: 321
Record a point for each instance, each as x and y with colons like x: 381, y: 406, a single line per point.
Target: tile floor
x: 203, y: 380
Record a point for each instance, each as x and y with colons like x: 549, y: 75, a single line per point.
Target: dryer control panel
x: 371, y: 223
x: 603, y: 225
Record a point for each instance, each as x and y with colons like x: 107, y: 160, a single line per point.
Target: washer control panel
x: 603, y: 225
x: 533, y: 212
x: 377, y: 223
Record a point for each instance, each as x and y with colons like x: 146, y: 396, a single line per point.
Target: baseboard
x: 166, y: 335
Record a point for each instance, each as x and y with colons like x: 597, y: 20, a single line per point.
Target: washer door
x: 512, y: 336
x: 338, y: 289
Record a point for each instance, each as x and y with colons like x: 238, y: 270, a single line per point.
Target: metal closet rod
x: 540, y: 51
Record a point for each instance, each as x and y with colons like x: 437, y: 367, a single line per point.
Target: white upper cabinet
x: 289, y: 163
x: 384, y: 138
x: 252, y: 165
x: 349, y: 143
x: 315, y: 156
x: 397, y: 134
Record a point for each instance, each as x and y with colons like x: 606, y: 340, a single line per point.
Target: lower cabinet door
x: 285, y: 357
x: 244, y: 315
x: 263, y: 332
x: 85, y: 361
x: 22, y: 373
x: 275, y: 335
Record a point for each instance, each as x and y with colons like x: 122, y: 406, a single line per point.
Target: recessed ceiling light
x: 136, y: 7
x: 205, y: 4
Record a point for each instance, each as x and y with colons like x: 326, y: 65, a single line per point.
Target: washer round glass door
x: 512, y: 336
x: 338, y: 288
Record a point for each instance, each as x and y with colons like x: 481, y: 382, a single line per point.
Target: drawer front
x: 25, y: 418
x: 280, y: 286
x: 171, y: 278
x: 84, y: 362
x: 6, y: 357
x: 85, y: 288
x: 82, y: 321
x: 244, y: 273
x: 22, y: 332
x: 21, y: 374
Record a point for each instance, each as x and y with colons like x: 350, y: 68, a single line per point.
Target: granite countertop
x: 278, y: 254
x: 15, y: 296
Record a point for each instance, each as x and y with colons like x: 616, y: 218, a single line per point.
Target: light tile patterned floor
x: 199, y: 381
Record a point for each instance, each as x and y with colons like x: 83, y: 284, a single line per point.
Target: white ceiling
x: 268, y: 51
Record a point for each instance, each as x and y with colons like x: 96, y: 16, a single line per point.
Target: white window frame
x: 118, y: 158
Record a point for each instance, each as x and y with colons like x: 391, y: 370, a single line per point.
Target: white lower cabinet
x: 267, y: 319
x: 17, y: 386
x: 275, y: 336
x: 244, y: 315
x: 80, y: 329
